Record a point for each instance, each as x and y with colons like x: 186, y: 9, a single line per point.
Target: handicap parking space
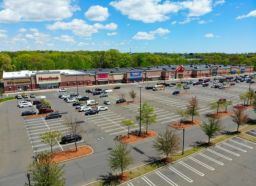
x: 38, y: 126
x: 196, y: 168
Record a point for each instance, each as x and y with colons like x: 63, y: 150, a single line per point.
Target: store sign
x: 19, y: 81
x: 135, y: 75
x: 180, y: 69
x: 48, y: 78
x: 102, y: 76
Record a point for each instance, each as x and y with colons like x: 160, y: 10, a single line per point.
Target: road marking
x: 130, y: 184
x: 168, y: 180
x: 241, y: 139
x: 150, y: 183
x: 118, y: 128
x: 242, y: 144
x: 228, y: 151
x: 201, y: 163
x: 110, y: 126
x: 191, y: 168
x: 211, y: 159
x: 181, y: 174
x: 234, y: 147
x: 219, y: 154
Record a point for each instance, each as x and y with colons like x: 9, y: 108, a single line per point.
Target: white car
x: 25, y: 104
x: 102, y: 108
x: 108, y: 90
x: 85, y: 108
x: 71, y: 100
x: 62, y: 90
x: 65, y: 96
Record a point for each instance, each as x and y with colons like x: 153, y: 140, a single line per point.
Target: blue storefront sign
x: 135, y: 76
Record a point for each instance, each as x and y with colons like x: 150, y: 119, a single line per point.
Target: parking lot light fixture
x: 28, y: 177
x: 140, y: 87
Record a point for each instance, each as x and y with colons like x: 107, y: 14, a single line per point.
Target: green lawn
x: 6, y: 99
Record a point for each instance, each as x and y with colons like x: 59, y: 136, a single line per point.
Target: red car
x: 45, y: 110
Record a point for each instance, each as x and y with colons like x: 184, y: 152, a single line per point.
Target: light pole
x: 140, y: 112
x: 28, y: 177
x: 183, y: 140
x: 76, y: 86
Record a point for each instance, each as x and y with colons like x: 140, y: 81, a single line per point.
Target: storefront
x: 153, y: 75
x: 18, y: 84
x: 117, y: 78
x: 135, y: 76
x: 48, y: 80
x: 179, y: 72
x: 102, y: 78
x: 214, y: 71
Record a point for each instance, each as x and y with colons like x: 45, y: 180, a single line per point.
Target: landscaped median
x: 6, y: 99
x: 59, y: 157
x: 146, y: 168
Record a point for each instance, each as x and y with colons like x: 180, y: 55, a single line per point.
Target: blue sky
x: 137, y: 25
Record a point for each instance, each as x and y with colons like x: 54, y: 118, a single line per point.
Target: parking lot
x: 217, y: 165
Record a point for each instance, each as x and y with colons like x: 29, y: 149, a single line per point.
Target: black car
x: 25, y: 96
x: 117, y: 87
x: 53, y: 115
x: 36, y: 102
x: 205, y: 84
x: 185, y: 87
x: 84, y: 98
x: 28, y: 113
x: 121, y: 101
x: 60, y: 96
x: 91, y: 112
x: 88, y: 91
x: 76, y: 104
x: 176, y: 92
x: 98, y: 89
x: 18, y: 97
x: 103, y: 95
x: 96, y: 93
x: 32, y: 96
x: 149, y: 87
x: 70, y: 138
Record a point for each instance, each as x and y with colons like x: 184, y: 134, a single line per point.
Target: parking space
x: 38, y: 126
x: 252, y: 132
x: 200, y: 168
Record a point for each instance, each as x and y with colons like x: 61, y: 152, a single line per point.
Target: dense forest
x: 44, y: 60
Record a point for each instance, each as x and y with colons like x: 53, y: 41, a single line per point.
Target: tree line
x: 46, y: 60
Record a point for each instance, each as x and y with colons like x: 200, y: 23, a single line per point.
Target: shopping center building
x: 48, y: 79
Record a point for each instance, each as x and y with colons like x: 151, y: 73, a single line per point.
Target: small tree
x: 119, y: 158
x: 250, y: 95
x: 44, y: 172
x: 179, y: 86
x: 239, y: 117
x: 220, y: 104
x: 192, y: 108
x: 51, y: 138
x: 167, y: 143
x: 129, y: 123
x: 211, y: 127
x: 148, y: 116
x: 132, y: 95
x: 243, y: 98
x: 226, y: 104
x: 74, y: 127
x: 45, y: 103
x: 183, y: 115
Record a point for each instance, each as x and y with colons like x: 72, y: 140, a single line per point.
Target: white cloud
x: 151, y: 35
x: 210, y: 35
x: 197, y: 7
x: 22, y: 30
x: 81, y: 28
x: 97, y: 13
x: 3, y: 34
x: 250, y: 14
x: 174, y: 22
x: 39, y: 10
x: 112, y: 33
x: 65, y: 38
x: 147, y: 11
x: 219, y: 2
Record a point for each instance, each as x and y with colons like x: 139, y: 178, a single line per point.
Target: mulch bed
x: 185, y: 124
x: 133, y: 138
x: 59, y: 157
x: 220, y: 115
x: 243, y: 106
x: 35, y: 116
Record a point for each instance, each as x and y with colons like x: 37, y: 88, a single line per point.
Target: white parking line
x: 201, y: 163
x: 130, y: 184
x: 211, y: 159
x: 150, y: 183
x: 181, y: 174
x: 110, y: 126
x: 118, y: 128
x: 234, y: 147
x: 219, y: 154
x: 242, y: 144
x: 228, y: 151
x: 168, y: 180
x: 241, y: 139
x: 191, y: 168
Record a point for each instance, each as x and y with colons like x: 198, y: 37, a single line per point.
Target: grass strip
x: 6, y: 99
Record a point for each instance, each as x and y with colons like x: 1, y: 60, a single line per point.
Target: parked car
x: 176, y: 92
x: 36, y: 102
x: 98, y: 89
x: 25, y: 104
x: 122, y: 100
x: 103, y: 95
x: 53, y: 115
x: 84, y: 108
x: 70, y: 138
x: 88, y: 91
x: 106, y: 102
x: 62, y: 90
x: 117, y: 87
x: 149, y: 87
x: 96, y: 93
x: 91, y: 102
x: 25, y: 96
x: 102, y: 108
x: 28, y: 113
x: 185, y: 87
x: 76, y: 104
x: 45, y: 110
x: 91, y: 112
x: 18, y: 97
x: 205, y: 84
x: 84, y: 98
x: 32, y: 96
x: 108, y: 90
x: 71, y: 100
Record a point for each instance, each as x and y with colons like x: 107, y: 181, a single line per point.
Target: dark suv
x: 45, y: 110
x: 91, y: 112
x: 120, y: 101
x: 70, y: 138
x: 53, y: 115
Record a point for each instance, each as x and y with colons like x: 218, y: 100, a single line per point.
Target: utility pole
x: 140, y: 111
x: 76, y: 85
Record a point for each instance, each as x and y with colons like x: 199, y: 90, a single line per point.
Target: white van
x: 40, y: 97
x: 91, y: 102
x: 108, y: 90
